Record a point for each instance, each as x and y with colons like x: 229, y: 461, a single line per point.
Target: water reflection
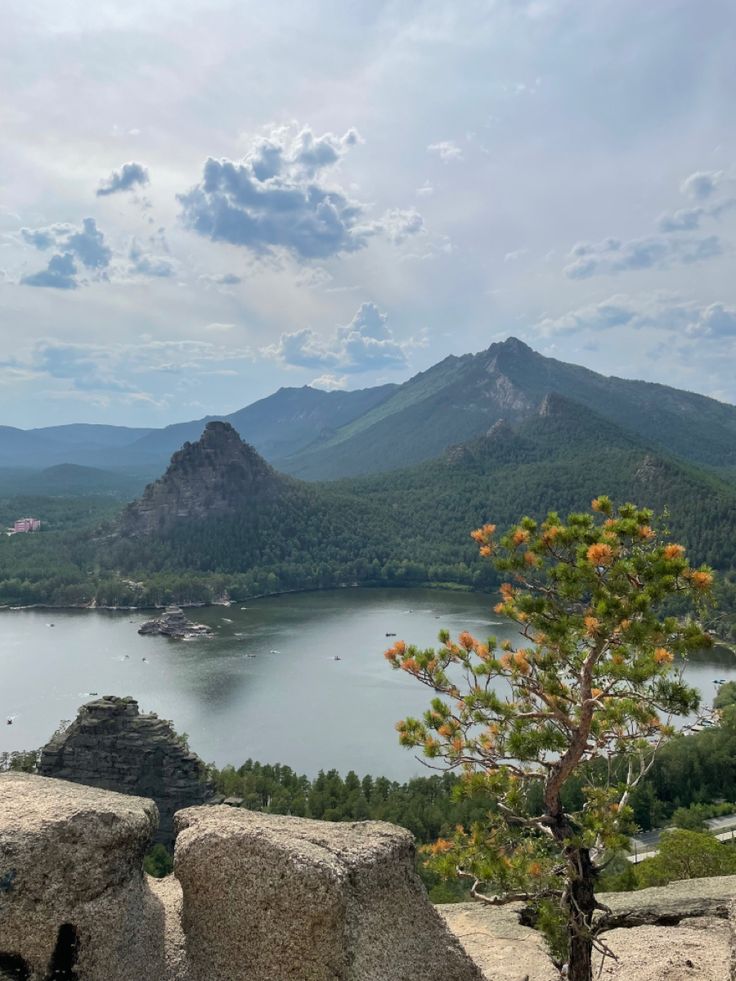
x: 234, y: 697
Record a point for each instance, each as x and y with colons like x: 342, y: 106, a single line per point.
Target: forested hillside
x: 221, y: 520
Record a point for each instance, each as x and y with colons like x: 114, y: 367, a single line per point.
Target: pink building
x: 26, y: 524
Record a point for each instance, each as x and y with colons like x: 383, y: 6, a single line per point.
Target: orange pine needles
x: 591, y: 625
x: 520, y: 536
x: 701, y: 580
x: 673, y: 551
x: 600, y: 554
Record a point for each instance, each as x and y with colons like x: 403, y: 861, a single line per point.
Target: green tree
x: 583, y: 693
x: 158, y: 861
x: 686, y: 855
x: 726, y: 695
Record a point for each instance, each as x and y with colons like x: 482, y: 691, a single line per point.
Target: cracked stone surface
x: 503, y: 948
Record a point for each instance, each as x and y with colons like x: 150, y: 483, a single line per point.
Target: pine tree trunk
x: 580, y: 905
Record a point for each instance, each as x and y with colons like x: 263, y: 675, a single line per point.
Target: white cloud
x: 365, y: 344
x: 611, y: 256
x: 702, y: 184
x: 144, y: 263
x: 446, y: 150
x: 329, y: 382
x: 130, y: 176
x: 279, y: 197
x: 85, y: 244
x: 660, y: 311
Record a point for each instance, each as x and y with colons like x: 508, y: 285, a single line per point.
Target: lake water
x: 290, y: 703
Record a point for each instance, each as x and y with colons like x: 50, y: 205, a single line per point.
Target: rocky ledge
x: 112, y: 745
x: 174, y: 624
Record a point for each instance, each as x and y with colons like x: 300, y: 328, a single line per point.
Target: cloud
x: 425, y: 191
x: 88, y: 244
x: 399, y: 224
x: 224, y: 279
x: 616, y: 311
x: 446, y: 150
x: 702, y: 184
x: 515, y: 255
x: 118, y: 368
x: 85, y: 244
x: 684, y: 220
x: 219, y: 327
x: 612, y: 256
x: 60, y: 274
x: 715, y: 320
x: 662, y: 311
x: 278, y: 197
x: 129, y: 176
x: 329, y: 382
x: 365, y: 344
x: 146, y: 264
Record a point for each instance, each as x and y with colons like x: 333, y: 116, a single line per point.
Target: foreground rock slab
x: 670, y: 904
x: 269, y: 898
x: 503, y: 948
x: 72, y: 890
x: 697, y: 949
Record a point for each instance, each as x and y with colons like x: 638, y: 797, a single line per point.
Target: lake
x: 267, y: 685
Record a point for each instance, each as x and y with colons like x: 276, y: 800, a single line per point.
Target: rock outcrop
x: 218, y: 474
x: 671, y: 904
x: 113, y: 746
x: 73, y: 897
x: 270, y: 898
x: 496, y: 939
x: 173, y: 623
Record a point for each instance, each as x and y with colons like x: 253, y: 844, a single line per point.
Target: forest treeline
x: 693, y: 778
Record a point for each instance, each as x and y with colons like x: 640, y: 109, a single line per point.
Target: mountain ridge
x: 317, y: 435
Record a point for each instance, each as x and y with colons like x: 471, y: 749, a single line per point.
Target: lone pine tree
x: 586, y: 695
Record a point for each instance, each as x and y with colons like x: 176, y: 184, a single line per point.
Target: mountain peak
x: 512, y: 345
x: 218, y: 432
x: 217, y: 474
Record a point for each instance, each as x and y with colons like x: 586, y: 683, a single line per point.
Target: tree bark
x: 580, y: 905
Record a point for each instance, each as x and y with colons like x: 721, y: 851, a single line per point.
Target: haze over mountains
x: 318, y: 435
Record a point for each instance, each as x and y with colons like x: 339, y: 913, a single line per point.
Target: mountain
x: 221, y: 510
x: 460, y: 398
x: 219, y: 474
x: 316, y: 435
x: 82, y: 444
x: 70, y: 480
x: 279, y: 425
x: 223, y: 519
x: 558, y: 459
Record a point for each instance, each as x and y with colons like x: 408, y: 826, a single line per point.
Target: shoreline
x: 93, y: 607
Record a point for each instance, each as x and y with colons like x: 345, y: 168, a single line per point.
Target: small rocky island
x: 173, y: 623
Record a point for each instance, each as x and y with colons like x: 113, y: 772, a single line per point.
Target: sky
x: 201, y: 202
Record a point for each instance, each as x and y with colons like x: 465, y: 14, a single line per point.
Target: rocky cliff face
x: 216, y: 475
x: 112, y: 746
